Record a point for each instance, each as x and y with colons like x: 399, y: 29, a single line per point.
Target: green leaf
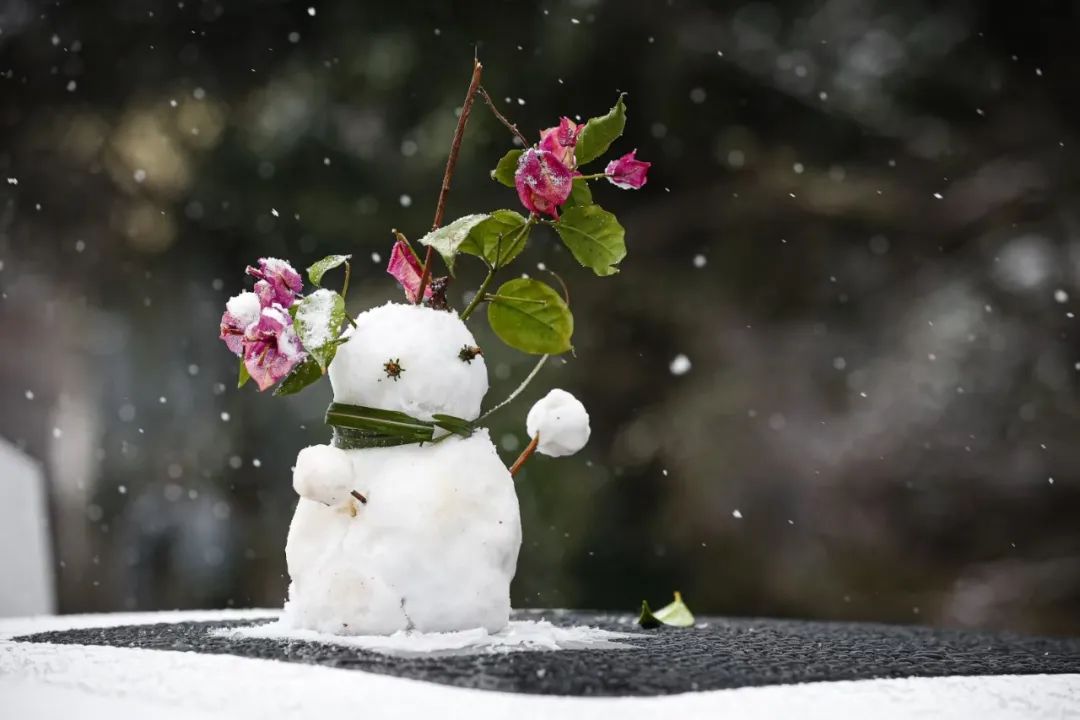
x: 646, y: 619
x: 318, y: 324
x: 302, y: 375
x: 530, y: 316
x: 580, y: 194
x: 594, y: 236
x: 315, y: 272
x: 504, y: 171
x: 484, y: 239
x: 599, y: 132
x: 448, y: 239
x: 676, y: 614
x: 244, y: 375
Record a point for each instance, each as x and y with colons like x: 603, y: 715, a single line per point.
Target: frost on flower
x: 627, y: 172
x: 241, y: 310
x: 271, y: 347
x: 561, y: 140
x: 405, y: 267
x: 278, y: 282
x: 543, y: 183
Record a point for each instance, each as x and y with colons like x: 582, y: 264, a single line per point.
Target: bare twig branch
x: 502, y: 118
x: 451, y: 163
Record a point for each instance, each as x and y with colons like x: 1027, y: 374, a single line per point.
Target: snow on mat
x: 717, y: 654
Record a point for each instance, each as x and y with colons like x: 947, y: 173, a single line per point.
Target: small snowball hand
x: 561, y: 422
x: 323, y: 474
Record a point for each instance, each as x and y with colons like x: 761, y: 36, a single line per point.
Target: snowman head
x: 411, y: 359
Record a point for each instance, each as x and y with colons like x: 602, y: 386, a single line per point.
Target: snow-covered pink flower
x: 278, y: 282
x: 271, y: 346
x: 405, y: 267
x: 561, y: 140
x: 543, y: 182
x: 241, y: 310
x: 627, y: 172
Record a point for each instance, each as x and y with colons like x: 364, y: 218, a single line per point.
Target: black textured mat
x: 725, y: 653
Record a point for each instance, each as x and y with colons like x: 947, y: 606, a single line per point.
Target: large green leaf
x: 594, y: 236
x: 498, y: 239
x: 599, y: 132
x: 315, y: 272
x: 302, y: 375
x: 447, y: 239
x: 504, y: 171
x: 530, y: 316
x: 318, y: 324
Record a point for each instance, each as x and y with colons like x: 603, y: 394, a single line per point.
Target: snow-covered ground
x: 66, y: 681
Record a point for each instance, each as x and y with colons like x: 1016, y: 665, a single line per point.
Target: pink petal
x: 542, y: 181
x: 283, y: 283
x: 406, y: 269
x: 627, y: 172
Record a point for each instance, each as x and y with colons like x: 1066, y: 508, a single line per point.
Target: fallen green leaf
x: 676, y: 614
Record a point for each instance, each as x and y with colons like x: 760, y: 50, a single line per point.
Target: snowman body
x: 435, y: 546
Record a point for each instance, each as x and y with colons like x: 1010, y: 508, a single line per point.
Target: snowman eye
x: 468, y: 353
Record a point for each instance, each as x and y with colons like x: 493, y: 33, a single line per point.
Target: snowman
x: 417, y: 537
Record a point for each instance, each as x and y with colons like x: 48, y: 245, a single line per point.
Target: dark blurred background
x: 861, y: 230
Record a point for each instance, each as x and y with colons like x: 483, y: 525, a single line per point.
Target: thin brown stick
x: 451, y: 163
x: 502, y: 118
x: 525, y: 455
x: 356, y: 494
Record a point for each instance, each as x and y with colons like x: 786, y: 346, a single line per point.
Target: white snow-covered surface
x: 42, y: 681
x: 518, y: 636
x: 562, y: 423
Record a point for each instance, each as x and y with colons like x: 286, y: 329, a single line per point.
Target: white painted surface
x: 25, y: 555
x: 65, y: 681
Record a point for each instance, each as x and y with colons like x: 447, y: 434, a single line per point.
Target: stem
x: 525, y: 455
x: 345, y: 285
x: 478, y: 298
x: 594, y: 176
x: 451, y: 163
x: 502, y: 118
x: 520, y: 388
x: 496, y: 296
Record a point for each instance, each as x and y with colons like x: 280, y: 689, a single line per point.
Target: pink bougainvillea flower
x: 543, y: 183
x: 561, y: 140
x: 271, y: 347
x: 278, y: 282
x: 627, y: 172
x: 240, y: 312
x: 405, y: 267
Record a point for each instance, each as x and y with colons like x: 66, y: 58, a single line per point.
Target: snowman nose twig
x: 356, y: 494
x: 525, y: 455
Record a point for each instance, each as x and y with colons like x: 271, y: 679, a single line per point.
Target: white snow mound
x: 561, y: 421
